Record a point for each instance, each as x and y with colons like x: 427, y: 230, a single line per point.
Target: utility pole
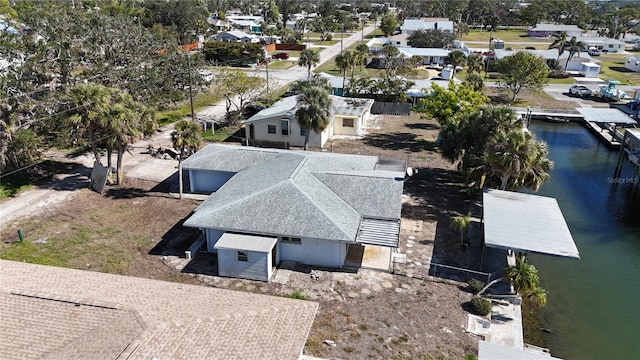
x: 341, y: 36
x: 193, y: 115
x: 266, y: 66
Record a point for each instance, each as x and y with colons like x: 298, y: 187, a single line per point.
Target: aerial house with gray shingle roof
x: 273, y: 205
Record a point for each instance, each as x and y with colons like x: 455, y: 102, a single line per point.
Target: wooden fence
x: 390, y: 108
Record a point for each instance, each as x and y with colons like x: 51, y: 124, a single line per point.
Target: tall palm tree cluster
x: 106, y: 118
x: 492, y: 150
x: 563, y: 43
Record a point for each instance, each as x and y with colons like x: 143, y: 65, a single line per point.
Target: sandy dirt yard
x: 135, y: 229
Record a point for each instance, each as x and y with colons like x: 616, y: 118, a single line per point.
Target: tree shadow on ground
x: 500, y: 99
x: 433, y: 187
x: 399, y: 141
x: 621, y: 69
x: 423, y: 126
x: 177, y: 240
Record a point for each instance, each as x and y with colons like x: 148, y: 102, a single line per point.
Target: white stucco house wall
x: 603, y: 43
x: 428, y: 55
x: 410, y: 26
x: 235, y: 36
x: 278, y: 123
x: 302, y: 206
x: 632, y: 63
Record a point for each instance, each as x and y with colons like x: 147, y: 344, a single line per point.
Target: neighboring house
x: 428, y: 55
x: 550, y: 56
x: 632, y: 63
x: 399, y: 40
x: 603, y: 43
x: 409, y: 26
x: 218, y: 24
x: 577, y: 61
x: 56, y: 313
x: 548, y: 30
x: 249, y: 23
x: 303, y: 206
x: 278, y: 123
x: 235, y: 36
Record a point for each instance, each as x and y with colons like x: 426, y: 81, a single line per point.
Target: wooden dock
x: 605, y: 134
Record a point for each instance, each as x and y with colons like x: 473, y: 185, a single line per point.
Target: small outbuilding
x: 246, y: 256
x: 589, y: 70
x: 632, y: 63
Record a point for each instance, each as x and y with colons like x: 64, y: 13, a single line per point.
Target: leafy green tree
x: 388, y: 24
x: 308, y: 58
x: 270, y: 12
x: 522, y: 70
x: 444, y: 104
x: 23, y: 148
x: 475, y: 65
x: 188, y: 17
x: 186, y: 139
x: 475, y: 80
x: 313, y: 110
x: 559, y: 42
x: 456, y: 58
x: 238, y: 89
x: 286, y: 8
x: 430, y: 39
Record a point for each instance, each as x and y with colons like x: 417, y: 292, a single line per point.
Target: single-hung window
x: 285, y: 127
x: 243, y: 256
x: 347, y: 122
x: 303, y: 131
x: 271, y: 129
x: 291, y: 240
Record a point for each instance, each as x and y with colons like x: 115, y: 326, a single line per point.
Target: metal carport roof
x: 380, y: 232
x: 245, y: 242
x: 491, y: 351
x: 528, y: 223
x: 606, y: 116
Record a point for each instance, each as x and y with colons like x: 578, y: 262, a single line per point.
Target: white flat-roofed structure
x: 526, y: 223
x: 490, y: 351
x: 613, y: 116
x: 246, y: 256
x: 246, y: 242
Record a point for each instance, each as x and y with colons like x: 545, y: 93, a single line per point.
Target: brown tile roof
x: 57, y: 313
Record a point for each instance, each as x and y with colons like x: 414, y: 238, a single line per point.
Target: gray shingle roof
x: 134, y: 318
x: 283, y: 107
x: 304, y: 194
x: 241, y: 159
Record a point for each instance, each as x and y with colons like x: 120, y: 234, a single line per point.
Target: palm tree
x: 573, y: 46
x: 460, y: 223
x: 313, y: 110
x: 126, y: 121
x: 90, y: 103
x: 186, y: 139
x: 308, y: 58
x: 522, y: 275
x: 363, y: 51
x: 475, y: 65
x: 347, y: 60
x: 456, y: 58
x: 560, y: 43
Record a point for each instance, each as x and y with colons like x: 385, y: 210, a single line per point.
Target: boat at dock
x: 555, y: 119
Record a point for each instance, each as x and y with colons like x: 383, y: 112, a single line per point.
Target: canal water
x: 593, y: 309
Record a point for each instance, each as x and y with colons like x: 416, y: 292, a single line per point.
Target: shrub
x: 475, y: 285
x: 297, y: 294
x: 481, y: 306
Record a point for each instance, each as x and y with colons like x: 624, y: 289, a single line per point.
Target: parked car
x: 282, y: 55
x: 593, y: 51
x: 580, y: 91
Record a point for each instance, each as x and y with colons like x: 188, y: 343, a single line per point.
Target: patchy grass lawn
x: 220, y: 134
x: 612, y: 67
x: 324, y: 43
x: 376, y: 33
x: 200, y: 101
x: 282, y: 64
